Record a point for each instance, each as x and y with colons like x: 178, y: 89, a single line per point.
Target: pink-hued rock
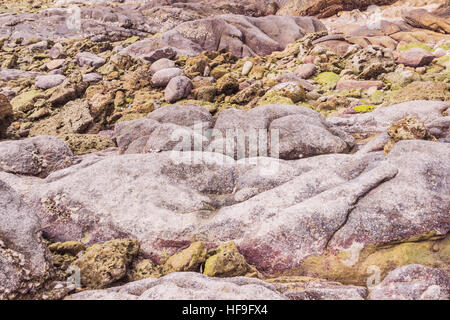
x: 309, y: 59
x: 358, y: 84
x: 415, y: 57
x: 413, y: 282
x: 306, y: 70
x: 55, y: 64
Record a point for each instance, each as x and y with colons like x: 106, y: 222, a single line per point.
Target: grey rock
x: 178, y: 88
x: 89, y: 59
x: 49, y: 81
x: 92, y: 77
x: 162, y: 78
x: 161, y: 64
x: 38, y: 156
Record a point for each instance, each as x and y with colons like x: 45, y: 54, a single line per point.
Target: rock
x: 421, y: 90
x: 380, y: 119
x: 355, y: 84
x: 421, y: 18
x: 86, y: 143
x: 240, y: 35
x: 187, y: 286
x: 55, y: 64
x: 162, y: 78
x: 22, y: 249
x: 327, y: 80
x: 196, y: 66
x: 305, y: 288
x: 227, y: 262
x: 370, y: 62
x: 323, y: 9
x: 178, y: 88
x: 291, y: 90
x: 407, y: 129
x: 6, y: 114
x: 189, y: 259
x: 38, y: 156
x: 14, y: 74
x: 49, y: 81
x: 182, y: 115
x: 25, y: 101
x: 413, y: 282
x: 161, y: 64
x: 92, y: 78
x: 103, y: 264
x: 305, y: 71
x: 415, y: 57
x: 74, y: 117
x: 228, y: 84
x: 248, y: 65
x: 57, y: 51
x: 302, y: 136
x: 89, y: 59
x: 205, y: 93
x: 158, y: 54
x: 128, y: 131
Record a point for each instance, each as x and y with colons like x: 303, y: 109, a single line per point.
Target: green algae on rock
x: 327, y: 80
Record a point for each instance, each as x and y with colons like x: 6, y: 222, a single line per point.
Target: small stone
x: 49, y: 81
x: 178, y: 88
x: 305, y: 71
x: 189, y: 259
x: 89, y: 59
x: 227, y: 262
x: 162, y: 78
x: 415, y: 57
x: 161, y: 64
x: 345, y: 84
x: 248, y: 65
x: 55, y: 64
x: 92, y: 77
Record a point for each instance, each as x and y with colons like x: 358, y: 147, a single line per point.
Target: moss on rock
x: 86, y: 143
x: 227, y: 261
x: 103, y: 264
x: 189, y: 259
x: 327, y: 80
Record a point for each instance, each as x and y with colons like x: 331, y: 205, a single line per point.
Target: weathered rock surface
x: 413, y: 282
x: 38, y: 156
x: 22, y: 253
x: 187, y: 286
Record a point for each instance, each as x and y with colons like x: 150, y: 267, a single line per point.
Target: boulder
x: 23, y: 256
x: 37, y: 156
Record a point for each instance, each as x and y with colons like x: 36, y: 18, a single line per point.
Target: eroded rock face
x: 23, y: 257
x: 187, y: 285
x: 413, y: 282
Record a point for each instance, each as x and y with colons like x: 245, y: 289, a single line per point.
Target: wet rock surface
x: 225, y: 150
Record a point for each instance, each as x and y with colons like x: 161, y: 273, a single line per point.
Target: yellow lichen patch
x: 189, y: 259
x: 227, y: 261
x: 377, y: 260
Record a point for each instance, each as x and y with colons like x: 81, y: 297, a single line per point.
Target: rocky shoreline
x: 154, y: 150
